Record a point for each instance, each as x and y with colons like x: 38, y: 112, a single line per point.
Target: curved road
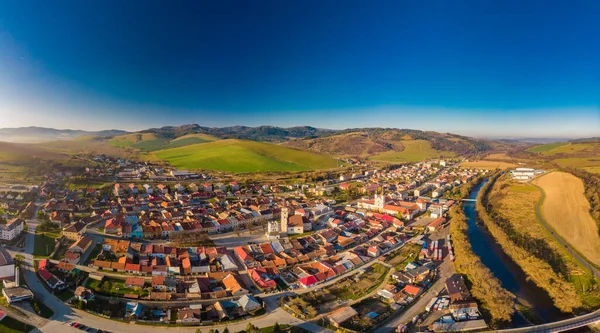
x: 582, y: 260
x: 559, y: 326
x: 63, y: 314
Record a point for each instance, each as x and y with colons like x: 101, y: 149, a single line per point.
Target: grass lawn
x: 301, y: 235
x: 114, y: 287
x: 11, y: 325
x: 401, y: 257
x: 546, y: 147
x: 414, y: 151
x: 269, y: 329
x: 368, y: 282
x: 244, y: 156
x: 41, y: 308
x: 64, y: 295
x: 44, y: 244
x: 95, y: 252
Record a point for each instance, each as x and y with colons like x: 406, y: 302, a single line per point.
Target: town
x: 164, y: 246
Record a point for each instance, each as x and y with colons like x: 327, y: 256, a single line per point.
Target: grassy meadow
x: 571, y: 148
x: 489, y: 165
x: 149, y: 142
x: 244, y: 156
x: 414, y: 151
x: 546, y: 147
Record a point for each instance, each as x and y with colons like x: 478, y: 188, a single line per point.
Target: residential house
x: 83, y: 294
x: 248, y: 303
x: 232, y: 285
x: 342, y: 315
x: 81, y: 245
x: 74, y: 230
x: 189, y: 316
x: 134, y: 282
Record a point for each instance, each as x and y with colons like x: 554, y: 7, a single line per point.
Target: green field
x: 578, y: 162
x: 414, y: 151
x: 44, y: 241
x: 572, y: 148
x: 546, y: 147
x: 244, y: 156
x: 593, y: 169
x: 114, y: 287
x: 149, y: 142
x: 522, y: 188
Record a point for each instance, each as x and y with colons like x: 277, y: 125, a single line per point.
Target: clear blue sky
x: 483, y: 68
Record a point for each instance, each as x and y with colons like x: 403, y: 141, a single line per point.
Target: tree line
x: 486, y: 288
x: 539, y: 271
x: 537, y: 247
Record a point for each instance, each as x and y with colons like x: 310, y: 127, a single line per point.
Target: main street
x: 64, y: 314
x: 445, y: 270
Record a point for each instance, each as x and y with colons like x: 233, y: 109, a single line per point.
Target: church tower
x: 284, y: 219
x: 379, y: 201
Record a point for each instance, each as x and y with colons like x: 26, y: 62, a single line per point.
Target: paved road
x: 582, y: 260
x: 63, y: 314
x: 559, y: 326
x: 446, y: 269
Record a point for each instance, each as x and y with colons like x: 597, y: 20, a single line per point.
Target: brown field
x: 567, y: 210
x: 490, y: 165
x: 517, y: 203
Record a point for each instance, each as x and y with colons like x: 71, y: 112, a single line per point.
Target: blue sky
x: 508, y: 68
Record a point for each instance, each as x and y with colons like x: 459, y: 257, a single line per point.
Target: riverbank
x: 563, y: 293
x: 497, y: 302
x: 507, y: 271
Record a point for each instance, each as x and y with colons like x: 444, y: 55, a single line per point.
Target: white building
x: 525, y: 173
x: 11, y: 229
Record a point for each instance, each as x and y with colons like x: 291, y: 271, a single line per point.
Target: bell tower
x: 284, y: 219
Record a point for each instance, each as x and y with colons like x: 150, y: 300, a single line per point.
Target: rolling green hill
x: 414, y: 151
x: 148, y: 142
x: 546, y: 147
x: 244, y: 156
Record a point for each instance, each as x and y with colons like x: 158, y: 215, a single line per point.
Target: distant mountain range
x: 42, y: 134
x: 353, y: 141
x: 260, y: 133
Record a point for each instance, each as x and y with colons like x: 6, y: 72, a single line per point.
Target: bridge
x: 469, y: 200
x: 559, y: 326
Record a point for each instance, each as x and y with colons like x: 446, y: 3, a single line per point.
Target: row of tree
x: 539, y: 271
x: 486, y: 288
x: 537, y: 247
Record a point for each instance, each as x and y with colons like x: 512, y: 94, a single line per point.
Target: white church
x: 288, y: 225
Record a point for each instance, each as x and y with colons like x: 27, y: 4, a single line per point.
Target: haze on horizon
x: 506, y: 69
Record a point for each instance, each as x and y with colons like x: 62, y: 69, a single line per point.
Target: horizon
x: 322, y: 128
x: 444, y: 67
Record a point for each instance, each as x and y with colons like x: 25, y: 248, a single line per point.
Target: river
x: 508, y: 272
